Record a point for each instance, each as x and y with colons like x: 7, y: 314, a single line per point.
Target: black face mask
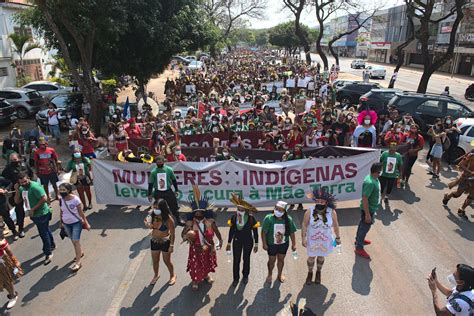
x: 63, y: 194
x: 319, y: 207
x: 26, y: 186
x: 15, y: 163
x: 199, y: 218
x: 159, y: 165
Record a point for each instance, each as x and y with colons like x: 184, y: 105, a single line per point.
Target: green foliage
x: 61, y: 81
x: 261, y: 38
x: 284, y: 35
x: 243, y: 36
x: 22, y: 80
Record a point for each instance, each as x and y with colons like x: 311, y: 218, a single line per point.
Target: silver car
x: 48, y: 88
x: 27, y: 102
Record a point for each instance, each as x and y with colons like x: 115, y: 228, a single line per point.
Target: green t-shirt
x: 74, y: 166
x: 371, y: 189
x: 162, y: 178
x: 391, y: 163
x: 274, y: 229
x: 34, y: 193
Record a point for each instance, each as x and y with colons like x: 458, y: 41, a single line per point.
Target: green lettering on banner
x: 254, y: 195
x: 125, y: 192
x: 273, y: 193
x: 350, y: 187
x: 299, y: 193
x: 288, y: 192
x: 315, y: 187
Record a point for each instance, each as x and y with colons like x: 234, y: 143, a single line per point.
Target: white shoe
x: 47, y: 260
x: 12, y: 302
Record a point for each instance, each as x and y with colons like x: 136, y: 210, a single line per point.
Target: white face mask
x: 157, y: 211
x: 367, y: 122
x: 120, y: 129
x: 238, y: 123
x: 327, y: 135
x: 278, y: 213
x: 448, y: 121
x: 452, y: 280
x: 241, y: 213
x: 399, y: 130
x: 188, y: 125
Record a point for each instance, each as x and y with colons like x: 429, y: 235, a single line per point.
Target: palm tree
x: 22, y: 45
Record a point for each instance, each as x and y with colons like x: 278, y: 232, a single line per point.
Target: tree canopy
x: 284, y: 35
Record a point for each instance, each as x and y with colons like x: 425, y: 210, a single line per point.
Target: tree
x: 426, y: 12
x: 242, y: 36
x: 356, y: 22
x: 324, y: 9
x: 284, y: 35
x: 297, y: 7
x: 22, y: 44
x: 261, y: 38
x: 410, y: 36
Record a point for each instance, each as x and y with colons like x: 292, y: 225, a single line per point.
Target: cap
x: 282, y: 204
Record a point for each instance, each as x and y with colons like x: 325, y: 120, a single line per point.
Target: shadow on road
x: 315, y: 296
x: 188, y: 302
x: 230, y: 303
x: 465, y: 229
x: 267, y: 301
x: 386, y: 216
x: 362, y: 276
x: 144, y: 303
x: 114, y: 217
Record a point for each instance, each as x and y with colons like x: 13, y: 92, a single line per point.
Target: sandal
x: 462, y: 214
x: 76, y: 267
x: 195, y: 286
x: 309, y: 278
x: 75, y: 257
x: 209, y: 280
x: 154, y: 280
x: 172, y: 281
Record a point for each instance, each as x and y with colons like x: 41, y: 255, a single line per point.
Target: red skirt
x: 201, y: 263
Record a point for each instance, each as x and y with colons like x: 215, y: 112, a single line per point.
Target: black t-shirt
x: 344, y: 128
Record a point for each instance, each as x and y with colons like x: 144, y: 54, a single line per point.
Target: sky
x: 277, y: 13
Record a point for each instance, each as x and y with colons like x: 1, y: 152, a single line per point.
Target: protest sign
x: 120, y: 183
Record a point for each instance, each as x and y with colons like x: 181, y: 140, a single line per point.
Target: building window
x: 23, y: 31
x: 3, y: 72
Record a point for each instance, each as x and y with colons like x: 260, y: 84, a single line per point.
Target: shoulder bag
x: 84, y: 224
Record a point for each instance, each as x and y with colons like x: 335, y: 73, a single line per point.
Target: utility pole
x: 456, y: 56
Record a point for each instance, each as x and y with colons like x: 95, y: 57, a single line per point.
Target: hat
x: 121, y: 156
x: 282, y: 204
x: 146, y: 158
x: 42, y: 140
x: 322, y: 194
x: 198, y: 202
x: 238, y: 201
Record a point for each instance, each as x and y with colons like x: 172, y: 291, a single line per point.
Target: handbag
x: 73, y: 178
x: 63, y: 233
x: 84, y: 223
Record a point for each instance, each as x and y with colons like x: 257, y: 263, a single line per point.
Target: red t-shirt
x: 87, y: 146
x: 293, y: 141
x: 134, y: 133
x: 45, y: 160
x: 171, y: 157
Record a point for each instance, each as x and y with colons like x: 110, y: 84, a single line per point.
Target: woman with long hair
x: 81, y: 177
x: 162, y: 238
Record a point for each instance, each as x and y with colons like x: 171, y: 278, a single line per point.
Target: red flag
x: 201, y: 109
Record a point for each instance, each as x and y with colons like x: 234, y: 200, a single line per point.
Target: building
x: 35, y: 61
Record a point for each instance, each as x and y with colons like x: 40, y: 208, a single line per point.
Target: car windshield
x: 60, y: 101
x: 33, y: 95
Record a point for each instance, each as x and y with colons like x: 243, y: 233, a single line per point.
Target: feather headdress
x: 238, y: 201
x: 322, y: 194
x: 198, y: 202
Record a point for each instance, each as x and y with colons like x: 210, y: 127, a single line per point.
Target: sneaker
x: 12, y: 301
x: 15, y: 237
x: 362, y: 253
x: 21, y: 234
x: 402, y: 184
x: 385, y: 199
x: 445, y: 199
x: 462, y: 214
x: 47, y: 260
x: 367, y: 242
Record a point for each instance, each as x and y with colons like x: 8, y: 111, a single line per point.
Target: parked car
x: 358, y: 63
x: 376, y: 72
x: 351, y: 93
x: 196, y: 65
x: 469, y: 94
x: 26, y: 101
x: 377, y: 99
x: 425, y: 108
x: 48, y: 88
x: 63, y: 103
x: 191, y: 58
x: 466, y: 126
x: 181, y: 59
x: 7, y: 113
x: 339, y: 83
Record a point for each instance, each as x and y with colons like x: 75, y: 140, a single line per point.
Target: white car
x: 196, y: 65
x: 376, y: 72
x: 466, y: 138
x: 48, y: 88
x: 191, y: 57
x: 358, y: 63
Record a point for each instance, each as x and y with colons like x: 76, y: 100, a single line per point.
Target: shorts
x: 160, y: 246
x: 90, y: 155
x: 73, y: 230
x: 48, y: 178
x: 280, y: 249
x: 437, y: 151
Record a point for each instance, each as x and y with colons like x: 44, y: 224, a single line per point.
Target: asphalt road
x: 411, y: 236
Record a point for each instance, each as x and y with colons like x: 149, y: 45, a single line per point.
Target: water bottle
x: 229, y: 256
x: 338, y: 249
x: 295, y: 255
x: 15, y: 271
x: 218, y: 245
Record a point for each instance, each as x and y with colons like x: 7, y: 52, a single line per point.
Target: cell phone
x: 433, y: 272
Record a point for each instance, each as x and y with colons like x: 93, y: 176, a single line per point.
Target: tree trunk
x: 229, y: 48
x: 400, y: 62
x: 301, y: 36
x: 333, y: 53
x: 319, y: 48
x: 425, y: 79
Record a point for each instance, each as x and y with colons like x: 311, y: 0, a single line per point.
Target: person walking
x: 243, y: 226
x: 369, y: 205
x: 460, y: 299
x: 391, y: 167
x: 81, y: 177
x: 35, y: 199
x: 53, y: 123
x: 161, y: 223
x: 159, y: 187
x: 73, y: 220
x: 47, y: 166
x: 415, y: 143
x: 277, y: 230
x: 11, y: 172
x: 317, y: 232
x: 10, y: 269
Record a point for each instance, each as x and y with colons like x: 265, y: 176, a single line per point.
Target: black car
x: 351, y: 93
x: 7, y: 113
x: 376, y: 99
x: 425, y: 108
x: 63, y: 103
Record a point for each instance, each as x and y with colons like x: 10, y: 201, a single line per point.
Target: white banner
x: 120, y: 183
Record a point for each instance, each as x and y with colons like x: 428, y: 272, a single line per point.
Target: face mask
x: 288, y: 122
x: 69, y: 116
x: 319, y: 207
x: 349, y: 118
x: 84, y: 132
x: 241, y: 213
x: 448, y: 121
x: 178, y: 152
x: 278, y: 213
x: 406, y: 120
x: 156, y: 211
x: 327, y: 135
x: 159, y: 165
x: 238, y: 123
x: 398, y: 130
x: 63, y: 194
x: 188, y: 125
x: 214, y: 122
x: 15, y: 163
x: 120, y: 129
x: 452, y: 280
x: 77, y: 155
x: 366, y: 122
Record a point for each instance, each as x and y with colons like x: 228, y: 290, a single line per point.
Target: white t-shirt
x: 53, y: 119
x: 460, y: 307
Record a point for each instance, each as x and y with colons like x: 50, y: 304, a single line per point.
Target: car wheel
x: 22, y: 113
